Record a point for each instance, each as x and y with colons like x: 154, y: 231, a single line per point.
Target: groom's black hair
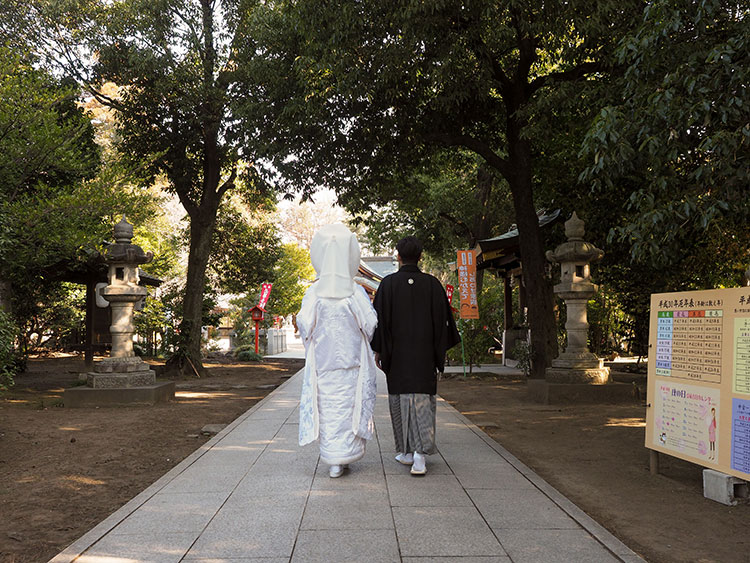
x: 410, y: 250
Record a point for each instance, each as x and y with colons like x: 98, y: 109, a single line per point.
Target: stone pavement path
x: 251, y: 494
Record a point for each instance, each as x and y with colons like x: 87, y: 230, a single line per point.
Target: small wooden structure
x: 93, y: 273
x: 502, y: 255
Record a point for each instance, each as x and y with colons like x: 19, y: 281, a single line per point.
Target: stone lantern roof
x: 123, y: 251
x: 575, y: 249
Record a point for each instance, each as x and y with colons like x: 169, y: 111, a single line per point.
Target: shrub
x: 10, y: 361
x: 522, y: 354
x: 249, y: 356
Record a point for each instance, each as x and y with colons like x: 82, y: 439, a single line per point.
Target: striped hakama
x: 413, y: 419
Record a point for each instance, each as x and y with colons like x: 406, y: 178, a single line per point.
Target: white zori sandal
x: 335, y: 471
x: 406, y: 459
x: 419, y: 467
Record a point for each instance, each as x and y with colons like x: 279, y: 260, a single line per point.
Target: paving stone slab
x: 479, y: 453
x: 553, y: 546
x: 346, y: 546
x: 166, y: 548
x: 431, y: 490
x: 252, y: 494
x: 259, y: 482
x: 347, y: 510
x: 172, y: 514
x: 497, y: 475
x: 444, y: 531
x: 270, y: 499
x: 460, y: 559
x: 523, y: 509
x: 206, y: 478
x: 241, y: 560
x: 359, y: 476
x: 241, y: 532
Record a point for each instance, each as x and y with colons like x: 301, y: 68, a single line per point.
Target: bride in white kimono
x: 336, y: 322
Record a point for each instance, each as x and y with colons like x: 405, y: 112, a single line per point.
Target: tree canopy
x: 367, y: 91
x: 677, y: 140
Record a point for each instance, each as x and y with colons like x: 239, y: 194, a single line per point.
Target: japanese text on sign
x: 467, y: 284
x: 265, y: 293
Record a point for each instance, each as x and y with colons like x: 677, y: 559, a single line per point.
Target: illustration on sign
x: 686, y: 419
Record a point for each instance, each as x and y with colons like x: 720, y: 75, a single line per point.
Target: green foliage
x: 372, y: 90
x: 9, y: 357
x: 608, y: 324
x: 44, y: 136
x: 677, y: 142
x: 49, y: 316
x: 151, y: 324
x: 290, y: 274
x: 245, y: 250
x: 249, y: 356
x: 450, y: 202
x: 479, y: 335
x: 522, y: 352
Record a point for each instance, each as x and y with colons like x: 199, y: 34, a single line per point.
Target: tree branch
x: 456, y: 222
x: 569, y: 75
x: 481, y: 148
x: 228, y: 183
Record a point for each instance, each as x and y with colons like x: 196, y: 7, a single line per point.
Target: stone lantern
x: 577, y: 364
x: 122, y: 378
x: 123, y: 291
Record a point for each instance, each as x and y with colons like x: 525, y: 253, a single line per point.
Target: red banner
x: 265, y: 293
x: 467, y: 284
x: 449, y: 293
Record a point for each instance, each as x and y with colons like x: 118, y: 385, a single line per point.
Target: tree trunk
x: 482, y: 223
x: 539, y: 292
x: 187, y: 360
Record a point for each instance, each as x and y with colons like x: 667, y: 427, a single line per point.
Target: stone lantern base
x: 120, y: 382
x: 548, y: 393
x: 581, y: 367
x: 578, y: 378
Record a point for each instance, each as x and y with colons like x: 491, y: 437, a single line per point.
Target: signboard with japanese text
x: 467, y: 284
x: 699, y: 378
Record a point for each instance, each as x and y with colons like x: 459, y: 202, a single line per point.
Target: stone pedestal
x: 121, y: 372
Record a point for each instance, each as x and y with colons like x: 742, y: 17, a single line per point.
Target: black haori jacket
x: 415, y: 330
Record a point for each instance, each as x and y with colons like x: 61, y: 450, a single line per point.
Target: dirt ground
x: 595, y: 456
x: 62, y: 470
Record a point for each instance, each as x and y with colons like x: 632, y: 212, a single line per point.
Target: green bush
x: 480, y: 335
x: 10, y: 361
x: 522, y: 354
x: 249, y: 356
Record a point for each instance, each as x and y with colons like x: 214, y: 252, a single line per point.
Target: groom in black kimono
x: 415, y: 330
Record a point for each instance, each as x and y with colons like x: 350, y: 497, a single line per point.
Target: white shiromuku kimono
x: 336, y: 323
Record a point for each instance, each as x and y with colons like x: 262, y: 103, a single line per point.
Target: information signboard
x: 699, y: 378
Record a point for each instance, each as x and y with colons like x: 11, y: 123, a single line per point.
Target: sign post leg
x: 653, y: 462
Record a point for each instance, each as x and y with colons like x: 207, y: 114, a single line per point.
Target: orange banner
x: 467, y: 284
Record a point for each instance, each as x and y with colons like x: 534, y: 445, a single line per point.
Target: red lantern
x: 257, y: 314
